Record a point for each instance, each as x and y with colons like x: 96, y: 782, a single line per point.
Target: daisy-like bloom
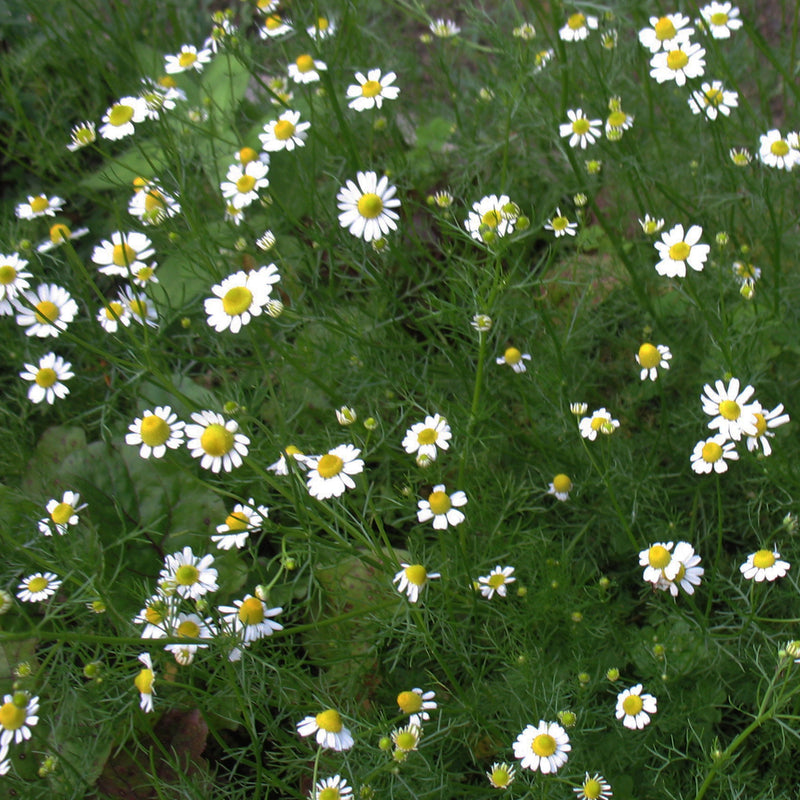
x: 346, y: 415
x: 112, y: 315
x: 501, y: 775
x: 239, y: 298
x: 659, y: 562
x: 721, y: 19
x: 191, y: 575
x: 417, y: 703
x: 765, y: 421
x: 53, y: 309
x: 189, y: 57
x: 581, y: 130
x: 157, y: 97
x: 306, y: 69
x: 372, y: 90
x: 18, y: 715
x: 152, y: 205
x: 242, y: 183
x: 496, y: 581
x: 323, y: 28
x: 594, y: 787
x: 329, y: 474
x: 514, y: 358
x: 39, y: 206
x: 189, y: 626
x: 274, y: 25
x: 651, y: 358
x: 81, y: 135
x: 713, y: 99
x: 764, y: 565
x: 62, y: 513
x: 443, y: 28
x: 578, y: 409
x: 47, y: 379
x: 775, y: 151
x: 492, y: 216
x: 543, y: 747
x: 266, y: 241
x: 38, y: 586
x: 651, y: 225
x: 733, y: 415
x: 139, y: 306
x: 284, y: 133
x: 688, y: 575
x: 713, y: 454
x: 600, y: 421
x: 366, y: 209
x: 666, y: 32
x: 156, y: 431
x: 740, y: 156
x: 13, y: 280
x: 406, y: 739
x: 560, y: 225
x: 329, y: 729
x: 121, y: 118
x: 618, y: 120
x: 216, y: 441
x: 144, y: 682
x: 746, y: 274
x: 677, y: 249
x: 560, y: 487
x: 442, y: 508
x: 280, y: 467
x: 684, y: 61
x: 158, y: 616
x: 526, y: 32
x: 60, y: 233
x: 635, y: 708
x: 335, y: 788
x: 423, y: 438
x: 238, y: 524
x: 482, y: 323
x: 412, y: 579
x: 124, y: 255
x: 251, y: 618
x: 542, y: 59
x: 233, y: 214
x: 578, y: 27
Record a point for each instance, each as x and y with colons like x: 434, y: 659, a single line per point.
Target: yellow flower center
x: 658, y: 556
x: 186, y: 575
x: 251, y: 611
x: 46, y: 377
x: 409, y: 702
x: 46, y: 311
x: 59, y: 233
x: 512, y: 355
x: 186, y: 59
x: 138, y: 307
x: 543, y: 745
x: 274, y: 22
x: 497, y: 580
x: 491, y: 219
x: 711, y: 452
x: 761, y: 424
x: 720, y: 18
x: 665, y: 30
x: 144, y: 274
x: 167, y: 81
x: 329, y: 466
x: 439, y: 503
x: 713, y: 97
x: 370, y: 205
x: 559, y: 223
x: 247, y: 154
x: 371, y: 89
x: 416, y: 574
x: 679, y: 251
x: 123, y: 255
x: 188, y: 629
x: 598, y: 422
x: 245, y: 184
x: 562, y: 483
x: 322, y: 24
x: 12, y: 716
x: 237, y: 300
x: 216, y: 440
x: 237, y: 521
x: 329, y: 721
x: 8, y: 274
x: 329, y: 793
x: 576, y: 21
x: 39, y: 204
x: 37, y: 584
x: 681, y: 572
x: 779, y: 148
x: 154, y: 430
x: 616, y: 119
x: 649, y: 356
x: 730, y: 409
x: 291, y: 450
x: 305, y: 63
x: 120, y: 115
x: 405, y: 741
x: 677, y: 59
x: 592, y: 789
x: 283, y: 130
x: 154, y: 615
x: 61, y: 513
x: 154, y: 201
x: 581, y: 126
x: 632, y: 705
x: 114, y: 307
x: 763, y: 559
x: 144, y: 681
x: 427, y: 436
x: 84, y: 136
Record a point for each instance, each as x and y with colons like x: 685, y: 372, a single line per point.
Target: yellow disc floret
x: 730, y: 409
x: 216, y: 440
x: 46, y: 311
x: 576, y: 21
x: 711, y: 452
x: 409, y: 702
x: 329, y: 465
x: 665, y: 30
x: 679, y: 251
x: 251, y: 611
x: 370, y: 205
x: 416, y: 574
x: 329, y: 720
x: 439, y: 503
x: 427, y: 436
x: 237, y: 300
x: 305, y: 63
x: 12, y: 716
x: 543, y: 745
x: 46, y: 377
x: 283, y: 130
x: 154, y: 430
x: 371, y: 89
x: 677, y: 59
x: 632, y: 704
x: 120, y: 115
x: 649, y: 356
x: 658, y: 556
x: 763, y: 559
x: 62, y: 513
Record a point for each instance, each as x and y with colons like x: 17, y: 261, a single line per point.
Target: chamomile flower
x: 323, y: 28
x: 763, y: 565
x: 443, y: 28
x: 189, y: 626
x: 306, y: 69
x: 721, y: 19
x: 144, y: 681
x: 158, y: 616
x: 651, y: 358
x: 732, y: 414
x: 58, y: 234
x: 53, y: 309
x: 651, y: 225
x: 542, y: 59
x: 561, y: 225
x: 425, y: 438
x: 442, y: 508
x: 581, y: 130
x: 274, y: 25
x: 514, y: 358
x: 658, y: 562
x: 18, y: 715
x: 216, y: 441
x: 158, y: 98
x: 417, y: 703
x: 124, y: 254
x: 560, y: 487
x: 685, y: 60
x: 251, y: 618
x: 81, y: 135
x: 746, y: 274
x: 618, y: 120
x: 677, y: 249
x: 329, y: 730
x: 244, y: 519
x: 335, y: 788
x: 329, y: 475
x: 46, y: 379
x: 689, y: 573
x: 280, y: 467
x: 713, y: 454
x: 406, y: 739
x: 578, y: 27
x: 665, y: 32
x: 152, y: 204
x: 13, y: 280
x: 526, y: 32
x: 239, y: 298
x: 412, y: 579
x: 501, y: 775
x: 544, y: 747
x: 139, y: 306
x: 775, y: 151
x: 39, y: 206
x: 188, y: 58
x: 578, y: 409
x: 38, y: 586
x: 740, y: 156
x: 600, y: 422
x: 371, y: 90
x: 366, y: 209
x: 243, y: 183
x: 765, y: 422
x: 491, y: 216
x: 496, y: 582
x: 284, y: 133
x: 120, y: 120
x: 635, y: 708
x: 594, y: 787
x: 713, y: 99
x: 63, y: 513
x: 192, y: 576
x: 156, y: 431
x: 112, y: 315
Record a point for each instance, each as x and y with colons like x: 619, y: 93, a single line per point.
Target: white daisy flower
x: 139, y: 306
x: 372, y: 90
x: 677, y: 249
x: 618, y: 120
x: 335, y: 788
x: 578, y: 27
x: 514, y: 358
x: 651, y: 225
x: 250, y: 619
x: 158, y: 616
x: 406, y: 738
x: 39, y: 206
x: 685, y: 60
x: 496, y: 581
x: 594, y: 787
x: 53, y: 309
x: 121, y: 118
x: 81, y: 135
x: 280, y: 467
x: 189, y: 626
x: 216, y: 441
x: 713, y: 454
x: 18, y: 715
x: 443, y: 28
x: 491, y: 216
x: 306, y: 69
x: 124, y: 255
x: 581, y: 130
x: 665, y: 33
x: 561, y: 487
x: 191, y: 575
x: 367, y: 208
x: 58, y: 234
x: 238, y: 525
x: 243, y: 183
x: 763, y: 565
x: 600, y: 421
x: 239, y: 298
x: 152, y: 204
x: 423, y: 438
x: 417, y: 703
x: 412, y: 579
x: 721, y: 19
x: 659, y: 562
x: 651, y: 358
x: 274, y: 25
x: 112, y: 315
x: 144, y: 682
x: 323, y: 28
x: 544, y: 747
x: 775, y: 151
x: 284, y: 133
x: 13, y: 280
x: 442, y: 508
x: 689, y: 573
x: 157, y: 97
x: 329, y: 729
x: 63, y: 513
x: 635, y: 708
x: 501, y: 775
x: 765, y: 422
x: 713, y: 99
x: 729, y: 407
x: 47, y: 378
x: 188, y: 58
x: 156, y: 431
x: 38, y: 586
x: 330, y: 474
x: 561, y: 225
